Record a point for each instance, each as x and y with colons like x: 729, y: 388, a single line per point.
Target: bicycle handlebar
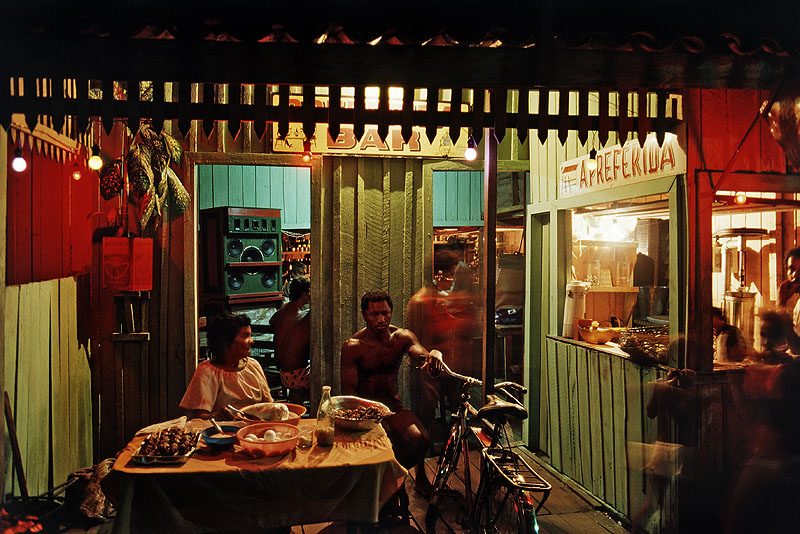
x: 513, y: 385
x: 468, y: 379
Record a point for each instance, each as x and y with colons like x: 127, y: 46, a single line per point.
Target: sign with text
x: 371, y: 144
x: 622, y: 165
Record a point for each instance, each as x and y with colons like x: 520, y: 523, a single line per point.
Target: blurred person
x: 765, y: 496
x: 292, y: 339
x: 369, y: 364
x: 774, y: 328
x: 729, y: 342
x: 786, y: 291
x: 230, y: 376
x: 427, y: 317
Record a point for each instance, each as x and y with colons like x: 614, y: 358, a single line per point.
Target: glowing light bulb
x: 470, y: 153
x: 19, y: 164
x: 95, y: 162
x: 76, y: 172
x: 306, y: 151
x: 740, y: 198
x: 592, y: 163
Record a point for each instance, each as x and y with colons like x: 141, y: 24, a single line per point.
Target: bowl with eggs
x: 270, y: 438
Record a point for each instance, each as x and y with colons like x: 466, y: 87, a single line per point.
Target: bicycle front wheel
x: 448, y: 460
x: 504, y: 510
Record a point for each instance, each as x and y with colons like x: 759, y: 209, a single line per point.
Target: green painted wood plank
x: 545, y: 436
x: 205, y: 187
x: 11, y: 313
x: 565, y: 445
x: 620, y: 414
x: 607, y: 425
x: 277, y: 198
x: 348, y: 183
x: 462, y: 195
x: 59, y: 419
x: 400, y: 249
x: 67, y: 331
x: 219, y: 185
x: 249, y: 185
x: 572, y: 403
x: 635, y: 435
x: 439, y: 184
x: 263, y: 186
x: 476, y: 195
x: 235, y: 196
x: 451, y: 198
x: 303, y: 179
x: 290, y: 198
x: 596, y: 425
x: 39, y: 443
x: 553, y: 351
x: 585, y: 442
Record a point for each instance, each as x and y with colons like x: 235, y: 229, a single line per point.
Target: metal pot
x: 653, y: 300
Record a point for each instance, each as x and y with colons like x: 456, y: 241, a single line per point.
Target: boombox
x: 240, y: 251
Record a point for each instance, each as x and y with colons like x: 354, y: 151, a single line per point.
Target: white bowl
x: 346, y: 402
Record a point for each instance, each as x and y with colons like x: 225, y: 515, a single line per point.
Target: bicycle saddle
x: 497, y: 408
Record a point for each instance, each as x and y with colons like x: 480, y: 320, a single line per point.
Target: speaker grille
x: 235, y: 281
x: 268, y: 247
x: 269, y: 280
x: 252, y: 254
x: 234, y: 248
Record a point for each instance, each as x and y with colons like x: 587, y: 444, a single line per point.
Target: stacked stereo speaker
x: 240, y: 250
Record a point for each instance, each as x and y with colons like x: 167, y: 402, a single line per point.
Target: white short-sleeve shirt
x: 213, y: 388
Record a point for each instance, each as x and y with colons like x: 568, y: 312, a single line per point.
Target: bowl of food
x: 595, y: 333
x: 167, y: 446
x: 212, y: 436
x: 269, y: 438
x: 274, y: 411
x: 355, y: 413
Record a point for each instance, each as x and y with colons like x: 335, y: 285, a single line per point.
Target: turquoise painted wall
x: 285, y: 188
x: 457, y: 198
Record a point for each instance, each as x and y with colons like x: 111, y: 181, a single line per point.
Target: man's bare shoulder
x: 354, y: 341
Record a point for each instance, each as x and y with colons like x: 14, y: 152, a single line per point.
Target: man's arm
x: 430, y: 360
x: 349, y: 367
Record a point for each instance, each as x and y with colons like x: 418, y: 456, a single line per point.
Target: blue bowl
x: 208, y: 435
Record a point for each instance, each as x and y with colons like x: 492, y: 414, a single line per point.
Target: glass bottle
x: 325, y: 422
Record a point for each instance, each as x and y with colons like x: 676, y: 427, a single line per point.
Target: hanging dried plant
x: 111, y: 179
x: 179, y: 193
x: 173, y: 148
x: 140, y: 173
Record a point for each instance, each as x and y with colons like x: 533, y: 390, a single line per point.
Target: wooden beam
x: 489, y: 260
x: 755, y: 181
x: 422, y: 66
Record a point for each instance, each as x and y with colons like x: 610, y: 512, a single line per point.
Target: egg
x: 251, y: 437
x: 270, y: 436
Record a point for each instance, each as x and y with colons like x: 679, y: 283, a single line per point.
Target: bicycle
x: 503, y: 501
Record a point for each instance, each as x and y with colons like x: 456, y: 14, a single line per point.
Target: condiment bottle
x: 325, y: 422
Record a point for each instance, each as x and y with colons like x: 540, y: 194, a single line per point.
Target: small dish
x: 211, y: 435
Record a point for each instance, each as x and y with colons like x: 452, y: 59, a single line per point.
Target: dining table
x: 225, y: 489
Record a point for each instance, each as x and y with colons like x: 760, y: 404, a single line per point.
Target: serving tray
x: 143, y: 459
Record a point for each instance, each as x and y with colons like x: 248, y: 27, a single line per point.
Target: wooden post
x: 3, y: 200
x: 489, y: 249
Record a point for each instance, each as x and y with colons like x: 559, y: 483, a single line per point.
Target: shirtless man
x: 292, y: 338
x: 370, y: 361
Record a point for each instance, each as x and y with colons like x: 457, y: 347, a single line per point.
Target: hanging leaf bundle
x: 149, y: 169
x: 111, y: 179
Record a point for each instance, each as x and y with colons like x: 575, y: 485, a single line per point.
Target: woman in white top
x: 230, y: 376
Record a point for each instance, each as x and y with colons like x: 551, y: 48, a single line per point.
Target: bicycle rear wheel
x: 504, y: 509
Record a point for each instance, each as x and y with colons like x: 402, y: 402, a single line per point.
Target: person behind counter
x: 370, y: 361
x: 292, y: 338
x: 729, y: 342
x: 230, y: 376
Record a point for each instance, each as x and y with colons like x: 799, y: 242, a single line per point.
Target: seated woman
x: 230, y: 376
